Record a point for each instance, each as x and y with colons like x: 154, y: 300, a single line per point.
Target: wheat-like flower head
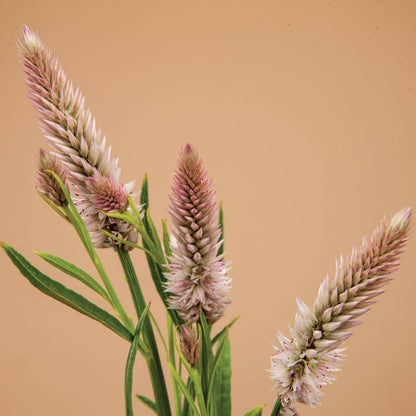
x: 197, y: 275
x: 306, y: 362
x: 70, y: 129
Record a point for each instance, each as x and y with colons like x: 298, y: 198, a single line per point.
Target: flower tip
x: 29, y: 40
x: 188, y: 148
x: 401, y: 219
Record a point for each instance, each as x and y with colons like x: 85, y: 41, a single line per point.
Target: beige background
x: 304, y: 114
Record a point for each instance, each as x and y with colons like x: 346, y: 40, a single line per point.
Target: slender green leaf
x: 217, y: 360
x: 53, y: 206
x: 144, y: 194
x: 166, y: 239
x: 186, y: 410
x: 154, y: 364
x: 184, y: 388
x: 131, y: 358
x: 147, y: 402
x: 128, y: 243
x: 206, y: 355
x: 81, y: 229
x: 220, y: 391
x: 75, y: 272
x: 197, y: 382
x: 64, y: 295
x: 227, y: 327
x: 151, y: 229
x: 172, y: 358
x: 257, y: 411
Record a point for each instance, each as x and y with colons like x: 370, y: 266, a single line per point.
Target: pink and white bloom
x: 197, y: 275
x: 306, y: 362
x: 70, y: 129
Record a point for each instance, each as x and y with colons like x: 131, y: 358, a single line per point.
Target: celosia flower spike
x: 70, y: 129
x: 190, y: 345
x: 197, y: 276
x: 46, y: 184
x: 306, y: 362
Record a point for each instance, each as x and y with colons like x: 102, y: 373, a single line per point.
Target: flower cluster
x: 70, y: 129
x: 197, y: 275
x: 306, y: 362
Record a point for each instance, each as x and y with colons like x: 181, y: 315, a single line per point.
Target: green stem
x: 276, y: 408
x: 154, y: 364
x: 171, y: 336
x: 116, y: 304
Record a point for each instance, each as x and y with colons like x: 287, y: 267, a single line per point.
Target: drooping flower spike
x: 306, y: 362
x: 70, y: 129
x: 197, y: 275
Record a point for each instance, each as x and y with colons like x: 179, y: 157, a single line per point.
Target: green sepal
x: 131, y: 358
x: 64, y: 295
x: 147, y: 402
x: 72, y: 270
x: 257, y: 411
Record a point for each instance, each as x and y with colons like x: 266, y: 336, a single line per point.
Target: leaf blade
x: 72, y: 270
x: 64, y: 295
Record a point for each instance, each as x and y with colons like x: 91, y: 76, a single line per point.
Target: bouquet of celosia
x: 81, y: 182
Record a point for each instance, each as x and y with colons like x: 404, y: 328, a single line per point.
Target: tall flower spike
x: 70, y: 129
x: 306, y: 362
x: 197, y: 276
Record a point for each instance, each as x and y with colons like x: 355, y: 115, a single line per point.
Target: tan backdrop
x: 304, y: 114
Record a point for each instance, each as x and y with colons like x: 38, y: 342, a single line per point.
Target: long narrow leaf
x: 218, y: 360
x: 144, y: 194
x: 64, y: 295
x: 53, y: 206
x: 166, y: 239
x: 183, y: 388
x: 131, y: 358
x: 206, y: 355
x: 220, y: 389
x: 151, y: 229
x: 226, y: 328
x: 72, y: 270
x: 81, y: 229
x: 147, y: 402
x: 127, y: 243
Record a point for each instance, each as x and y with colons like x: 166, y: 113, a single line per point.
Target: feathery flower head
x: 197, y: 275
x: 70, y: 129
x: 190, y: 345
x: 46, y: 184
x: 306, y: 362
x: 107, y: 196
